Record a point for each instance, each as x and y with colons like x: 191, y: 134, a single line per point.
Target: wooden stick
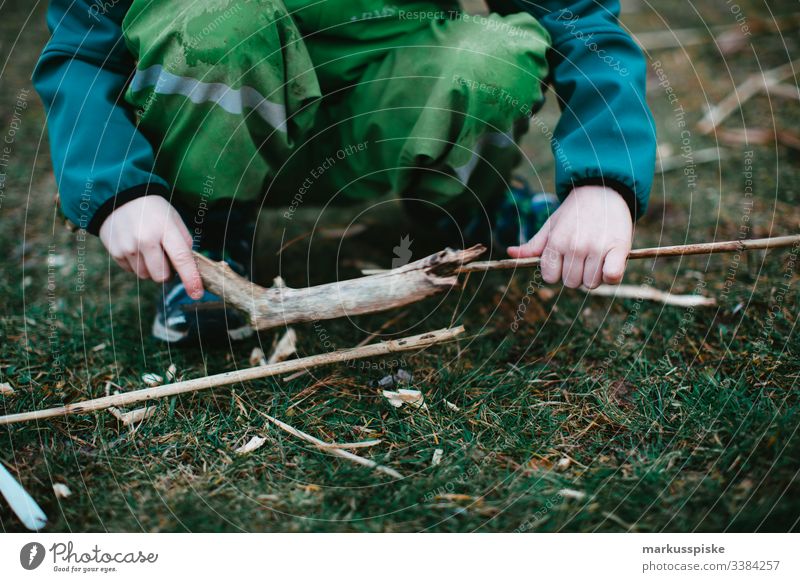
x: 268, y: 308
x: 644, y: 292
x: 753, y: 85
x: 654, y: 252
x: 126, y: 398
x: 279, y: 306
x: 332, y: 449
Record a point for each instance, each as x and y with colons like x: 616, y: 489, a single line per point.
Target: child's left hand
x: 586, y: 240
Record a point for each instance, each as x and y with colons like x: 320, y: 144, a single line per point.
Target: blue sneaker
x: 182, y: 320
x: 520, y: 214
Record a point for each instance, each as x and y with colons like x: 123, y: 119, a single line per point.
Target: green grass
x: 663, y: 419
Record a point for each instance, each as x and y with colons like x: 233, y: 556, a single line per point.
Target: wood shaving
x: 152, y: 380
x: 572, y: 494
x: 172, y: 373
x: 286, y: 347
x: 133, y: 416
x: 563, y: 464
x: 452, y: 406
x: 257, y: 357
x: 405, y: 396
x: 61, y: 490
x: 253, y: 444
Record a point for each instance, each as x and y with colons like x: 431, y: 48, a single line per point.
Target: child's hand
x: 585, y: 241
x: 143, y: 234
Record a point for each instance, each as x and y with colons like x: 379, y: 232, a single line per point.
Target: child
x: 171, y: 121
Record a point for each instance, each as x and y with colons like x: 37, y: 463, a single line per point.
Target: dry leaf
x: 6, y: 389
x: 437, y: 457
x: 286, y: 348
x: 253, y: 444
x: 61, y: 490
x: 134, y: 416
x: 152, y: 380
x: 404, y: 396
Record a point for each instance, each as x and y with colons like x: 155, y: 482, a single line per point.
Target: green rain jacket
x: 606, y: 134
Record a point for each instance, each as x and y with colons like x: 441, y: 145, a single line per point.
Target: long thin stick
x: 654, y: 252
x: 244, y: 375
x: 332, y: 449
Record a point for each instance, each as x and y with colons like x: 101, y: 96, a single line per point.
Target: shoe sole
x: 163, y: 333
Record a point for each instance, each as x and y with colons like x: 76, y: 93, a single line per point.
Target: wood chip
x: 572, y: 494
x: 405, y: 396
x: 651, y: 294
x: 253, y: 444
x: 6, y: 389
x: 285, y: 349
x: 257, y: 357
x: 133, y: 416
x: 61, y: 490
x: 437, y: 457
x: 452, y: 406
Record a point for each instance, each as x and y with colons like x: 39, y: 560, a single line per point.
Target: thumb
x: 614, y: 265
x: 534, y: 247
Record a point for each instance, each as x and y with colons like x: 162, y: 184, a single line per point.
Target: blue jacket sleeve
x: 100, y: 158
x: 606, y: 134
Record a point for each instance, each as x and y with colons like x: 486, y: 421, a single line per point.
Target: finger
x: 614, y: 265
x: 592, y: 271
x: 136, y: 261
x: 572, y: 270
x: 180, y: 255
x: 123, y: 263
x: 182, y: 229
x: 551, y: 265
x: 157, y: 264
x: 534, y: 247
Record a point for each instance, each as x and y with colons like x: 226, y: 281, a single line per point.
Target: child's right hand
x: 145, y: 235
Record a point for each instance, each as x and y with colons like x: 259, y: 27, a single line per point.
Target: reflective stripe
x: 231, y: 100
